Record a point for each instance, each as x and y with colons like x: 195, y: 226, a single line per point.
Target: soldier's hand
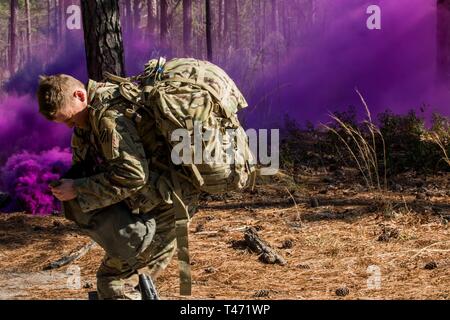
x: 65, y: 191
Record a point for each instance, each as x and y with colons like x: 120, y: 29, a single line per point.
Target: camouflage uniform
x: 125, y: 204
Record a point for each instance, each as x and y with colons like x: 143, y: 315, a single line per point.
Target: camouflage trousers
x: 132, y: 243
x: 117, y: 277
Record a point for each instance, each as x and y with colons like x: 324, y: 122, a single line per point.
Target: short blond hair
x: 54, y: 91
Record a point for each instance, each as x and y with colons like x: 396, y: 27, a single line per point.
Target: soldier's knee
x: 159, y: 261
x: 109, y: 288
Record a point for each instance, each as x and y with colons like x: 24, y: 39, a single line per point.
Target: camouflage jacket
x: 122, y: 164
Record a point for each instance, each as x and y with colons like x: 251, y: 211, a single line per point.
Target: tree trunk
x: 443, y: 40
x: 56, y: 19
x: 102, y: 37
x: 128, y: 21
x: 264, y: 19
x: 151, y: 16
x: 209, y: 49
x: 226, y: 20
x: 62, y: 22
x: 187, y: 26
x: 256, y: 8
x: 136, y: 15
x: 14, y: 12
x: 199, y: 37
x: 284, y: 19
x: 164, y: 21
x: 274, y: 16
x: 27, y: 9
x: 236, y: 25
x: 49, y: 23
x: 220, y: 27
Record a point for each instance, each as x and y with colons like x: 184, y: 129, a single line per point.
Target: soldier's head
x: 63, y: 99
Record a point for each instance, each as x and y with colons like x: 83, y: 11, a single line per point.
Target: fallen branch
x: 299, y: 216
x: 256, y: 244
x: 327, y: 202
x: 221, y: 230
x: 71, y: 257
x: 427, y: 248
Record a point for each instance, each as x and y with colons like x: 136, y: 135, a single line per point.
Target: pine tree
x: 164, y: 31
x: 14, y: 13
x: 443, y: 40
x: 103, y: 37
x: 152, y: 16
x: 27, y: 10
x: 209, y: 48
x: 187, y: 26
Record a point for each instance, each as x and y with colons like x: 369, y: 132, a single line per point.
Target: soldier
x: 119, y: 198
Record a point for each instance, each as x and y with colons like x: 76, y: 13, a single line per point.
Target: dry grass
x: 364, y: 152
x: 436, y: 138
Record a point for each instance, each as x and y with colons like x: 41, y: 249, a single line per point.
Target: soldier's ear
x: 80, y: 95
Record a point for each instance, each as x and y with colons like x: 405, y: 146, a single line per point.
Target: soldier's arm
x: 126, y: 169
x: 78, y: 147
x: 80, y: 150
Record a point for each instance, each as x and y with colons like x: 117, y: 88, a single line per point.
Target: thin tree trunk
x: 27, y: 9
x: 443, y: 40
x: 128, y: 21
x: 56, y: 19
x: 14, y: 13
x: 103, y: 37
x: 220, y: 27
x: 136, y: 15
x: 49, y: 23
x: 151, y: 16
x: 284, y: 19
x: 226, y: 22
x: 164, y: 21
x: 274, y: 16
x: 62, y: 22
x: 22, y: 49
x: 199, y: 38
x: 209, y: 48
x: 264, y: 18
x: 187, y: 26
x: 236, y: 24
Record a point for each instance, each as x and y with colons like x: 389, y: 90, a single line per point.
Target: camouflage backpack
x: 199, y: 97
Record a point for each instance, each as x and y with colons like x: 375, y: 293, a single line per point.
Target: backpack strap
x: 114, y: 78
x: 182, y: 235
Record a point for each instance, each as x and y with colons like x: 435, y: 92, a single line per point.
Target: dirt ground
x: 396, y: 247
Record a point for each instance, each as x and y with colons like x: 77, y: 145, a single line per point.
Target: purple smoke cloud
x: 26, y: 176
x: 28, y: 169
x: 394, y: 67
x: 22, y: 128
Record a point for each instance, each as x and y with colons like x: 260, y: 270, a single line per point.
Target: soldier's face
x: 74, y: 113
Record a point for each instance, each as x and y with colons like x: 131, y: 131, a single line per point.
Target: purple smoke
x: 27, y: 171
x: 22, y: 128
x: 26, y: 176
x: 394, y: 67
x: 34, y: 151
